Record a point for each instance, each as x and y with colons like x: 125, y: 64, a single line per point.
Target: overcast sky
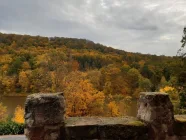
x: 146, y: 26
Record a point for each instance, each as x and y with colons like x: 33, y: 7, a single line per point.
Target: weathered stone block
x: 180, y: 125
x: 156, y: 110
x: 41, y: 111
x: 53, y: 132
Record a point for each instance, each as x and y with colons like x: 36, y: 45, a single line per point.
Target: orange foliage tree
x: 81, y: 98
x: 113, y: 109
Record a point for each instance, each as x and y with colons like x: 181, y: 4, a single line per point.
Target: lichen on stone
x: 136, y: 123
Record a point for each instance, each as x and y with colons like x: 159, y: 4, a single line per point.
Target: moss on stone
x: 83, y: 121
x: 136, y: 123
x: 108, y: 128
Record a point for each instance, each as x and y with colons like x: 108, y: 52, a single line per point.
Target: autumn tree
x: 113, y: 109
x: 8, y: 84
x: 82, y: 99
x: 145, y: 71
x: 145, y: 84
x: 114, y: 81
x: 125, y: 68
x: 25, y: 66
x: 95, y: 78
x: 3, y: 113
x: 133, y: 79
x: 24, y: 80
x: 40, y: 81
x: 58, y: 68
x: 13, y: 45
x: 15, y: 66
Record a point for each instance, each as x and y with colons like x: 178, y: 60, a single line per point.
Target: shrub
x: 11, y: 128
x: 18, y: 115
x: 113, y: 109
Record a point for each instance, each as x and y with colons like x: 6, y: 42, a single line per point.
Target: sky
x: 145, y: 26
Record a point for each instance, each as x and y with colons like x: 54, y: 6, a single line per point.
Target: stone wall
x: 44, y: 118
x: 105, y: 128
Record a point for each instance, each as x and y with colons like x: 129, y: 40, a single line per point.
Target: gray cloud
x: 145, y: 26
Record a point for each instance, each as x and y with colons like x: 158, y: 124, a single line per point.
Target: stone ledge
x: 154, y: 93
x: 40, y: 98
x: 180, y: 125
x: 81, y: 121
x: 105, y: 128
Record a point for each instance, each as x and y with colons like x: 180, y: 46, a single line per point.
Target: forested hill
x: 85, y: 71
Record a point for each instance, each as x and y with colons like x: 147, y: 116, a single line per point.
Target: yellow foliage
x: 8, y: 83
x: 3, y: 113
x: 173, y: 93
x: 53, y: 79
x: 141, y: 63
x: 24, y: 79
x: 96, y: 104
x: 18, y: 115
x: 113, y: 109
x: 5, y: 59
x: 26, y: 65
x: 75, y: 65
x: 41, y: 59
x: 13, y: 45
x: 166, y: 89
x: 5, y: 68
x: 82, y: 99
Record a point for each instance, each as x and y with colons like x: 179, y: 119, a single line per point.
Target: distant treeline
x: 91, y: 75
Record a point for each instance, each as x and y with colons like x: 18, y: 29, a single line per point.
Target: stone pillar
x: 44, y: 116
x: 156, y: 110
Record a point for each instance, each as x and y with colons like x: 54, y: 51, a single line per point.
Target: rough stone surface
x: 180, y: 125
x: 156, y: 110
x: 44, y: 116
x: 117, y: 128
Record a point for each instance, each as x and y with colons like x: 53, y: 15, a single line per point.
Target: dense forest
x: 96, y: 79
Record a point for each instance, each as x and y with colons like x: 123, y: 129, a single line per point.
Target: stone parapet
x: 44, y: 120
